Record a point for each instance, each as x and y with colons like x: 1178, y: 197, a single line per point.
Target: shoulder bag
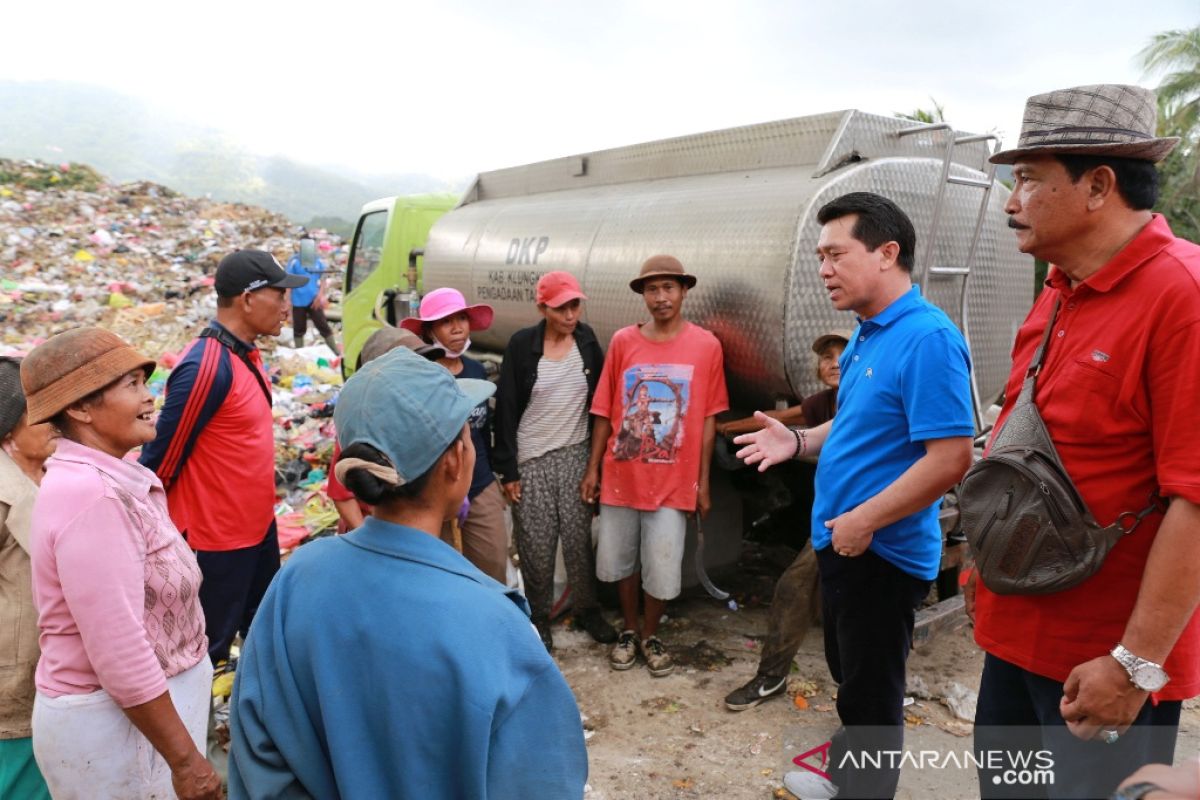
x: 1028, y: 528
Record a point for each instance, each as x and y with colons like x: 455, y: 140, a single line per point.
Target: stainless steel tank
x: 738, y: 207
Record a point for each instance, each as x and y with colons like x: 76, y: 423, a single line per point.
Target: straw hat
x: 70, y: 366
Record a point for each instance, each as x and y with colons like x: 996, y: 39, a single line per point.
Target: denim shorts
x: 648, y: 541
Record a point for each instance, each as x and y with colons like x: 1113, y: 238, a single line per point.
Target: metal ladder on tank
x: 926, y: 266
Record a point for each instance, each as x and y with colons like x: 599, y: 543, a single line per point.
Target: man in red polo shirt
x: 1096, y: 674
x: 215, y: 448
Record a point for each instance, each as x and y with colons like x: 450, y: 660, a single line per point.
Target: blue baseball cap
x: 408, y: 408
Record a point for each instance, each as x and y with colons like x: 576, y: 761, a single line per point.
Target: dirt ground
x: 673, y: 738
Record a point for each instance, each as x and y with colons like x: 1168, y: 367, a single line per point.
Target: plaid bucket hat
x: 1105, y: 119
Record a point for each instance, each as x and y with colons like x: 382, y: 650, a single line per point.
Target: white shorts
x: 87, y: 748
x: 648, y: 541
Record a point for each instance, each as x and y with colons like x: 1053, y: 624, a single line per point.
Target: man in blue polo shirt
x: 901, y: 438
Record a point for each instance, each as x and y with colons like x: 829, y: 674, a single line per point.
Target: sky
x: 460, y: 86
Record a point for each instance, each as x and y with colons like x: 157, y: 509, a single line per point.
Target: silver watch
x: 1145, y: 675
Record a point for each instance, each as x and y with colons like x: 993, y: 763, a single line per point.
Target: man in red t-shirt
x: 662, y: 385
x: 1071, y: 672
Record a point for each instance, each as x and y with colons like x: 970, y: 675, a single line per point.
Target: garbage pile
x: 138, y: 259
x: 137, y: 256
x: 306, y: 385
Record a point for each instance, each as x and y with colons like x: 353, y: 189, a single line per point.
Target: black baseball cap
x: 249, y: 270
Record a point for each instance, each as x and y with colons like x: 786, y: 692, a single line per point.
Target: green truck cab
x: 390, y: 232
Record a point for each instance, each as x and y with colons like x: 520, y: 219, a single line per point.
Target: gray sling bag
x: 1028, y: 528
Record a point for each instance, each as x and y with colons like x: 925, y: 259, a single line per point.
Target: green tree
x: 1175, y: 56
x: 925, y: 115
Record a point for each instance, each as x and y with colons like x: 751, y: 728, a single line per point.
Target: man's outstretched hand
x: 767, y: 447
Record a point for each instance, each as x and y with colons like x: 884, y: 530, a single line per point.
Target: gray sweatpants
x: 551, y: 509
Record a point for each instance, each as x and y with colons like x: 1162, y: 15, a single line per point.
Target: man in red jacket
x: 215, y: 448
x: 1095, y: 674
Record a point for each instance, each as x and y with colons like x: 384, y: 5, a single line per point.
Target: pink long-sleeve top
x: 115, y: 585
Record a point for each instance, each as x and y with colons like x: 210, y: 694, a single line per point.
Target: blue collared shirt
x: 905, y: 380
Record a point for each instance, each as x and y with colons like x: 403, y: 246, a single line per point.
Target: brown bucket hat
x: 1106, y: 119
x: 73, y: 364
x: 661, y: 267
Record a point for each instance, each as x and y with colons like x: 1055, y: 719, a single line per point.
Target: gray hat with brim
x: 408, y: 408
x: 1101, y: 120
x: 12, y: 397
x: 841, y: 336
x: 388, y: 338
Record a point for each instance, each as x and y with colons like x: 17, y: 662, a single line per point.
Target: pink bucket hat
x: 442, y: 303
x: 558, y: 288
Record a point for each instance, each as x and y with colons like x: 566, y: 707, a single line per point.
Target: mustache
x: 1016, y: 226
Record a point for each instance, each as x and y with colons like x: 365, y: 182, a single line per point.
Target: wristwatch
x: 1136, y: 791
x: 1145, y: 675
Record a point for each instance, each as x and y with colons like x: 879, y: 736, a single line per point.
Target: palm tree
x: 925, y: 115
x: 1175, y: 55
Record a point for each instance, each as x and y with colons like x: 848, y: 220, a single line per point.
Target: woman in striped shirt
x: 543, y: 432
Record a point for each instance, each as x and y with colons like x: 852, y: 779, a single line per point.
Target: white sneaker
x: 809, y: 785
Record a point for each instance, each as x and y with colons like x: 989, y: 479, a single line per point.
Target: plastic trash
x: 139, y: 259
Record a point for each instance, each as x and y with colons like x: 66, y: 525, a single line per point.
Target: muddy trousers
x: 551, y: 511
x: 869, y: 611
x: 793, y: 610
x: 1018, y: 717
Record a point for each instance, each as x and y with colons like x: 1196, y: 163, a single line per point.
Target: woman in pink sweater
x: 123, y: 682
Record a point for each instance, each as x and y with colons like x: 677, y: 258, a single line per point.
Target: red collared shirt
x: 1118, y: 393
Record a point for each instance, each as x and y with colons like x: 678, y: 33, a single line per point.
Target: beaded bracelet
x: 801, y: 442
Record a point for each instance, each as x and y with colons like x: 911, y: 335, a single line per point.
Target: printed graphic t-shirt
x: 657, y: 396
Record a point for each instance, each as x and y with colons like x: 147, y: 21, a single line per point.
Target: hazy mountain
x: 127, y: 139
